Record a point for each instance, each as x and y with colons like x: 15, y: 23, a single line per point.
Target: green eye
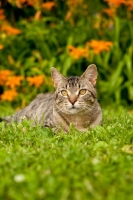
x: 82, y: 92
x: 64, y: 92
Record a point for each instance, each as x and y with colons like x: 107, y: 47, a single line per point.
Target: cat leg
x: 98, y: 121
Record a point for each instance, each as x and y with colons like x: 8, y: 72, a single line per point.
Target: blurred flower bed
x: 36, y: 35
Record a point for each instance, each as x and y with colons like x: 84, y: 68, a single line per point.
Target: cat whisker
x: 67, y: 104
x: 86, y: 107
x: 59, y: 110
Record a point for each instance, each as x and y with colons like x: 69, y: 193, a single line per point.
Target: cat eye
x: 82, y: 92
x: 64, y: 92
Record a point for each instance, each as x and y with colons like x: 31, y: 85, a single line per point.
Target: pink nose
x: 72, y: 101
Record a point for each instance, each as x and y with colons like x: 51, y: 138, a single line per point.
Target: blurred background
x: 36, y: 35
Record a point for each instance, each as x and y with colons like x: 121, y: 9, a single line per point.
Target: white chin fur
x: 70, y: 110
x: 73, y: 111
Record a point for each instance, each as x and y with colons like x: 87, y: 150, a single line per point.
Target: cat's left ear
x: 57, y: 77
x: 91, y: 74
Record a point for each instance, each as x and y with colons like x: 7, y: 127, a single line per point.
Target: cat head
x: 75, y: 94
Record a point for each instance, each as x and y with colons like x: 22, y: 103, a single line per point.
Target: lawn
x: 96, y: 165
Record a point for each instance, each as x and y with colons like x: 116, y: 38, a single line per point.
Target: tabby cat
x: 73, y: 102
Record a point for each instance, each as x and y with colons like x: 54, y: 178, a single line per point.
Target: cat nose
x: 72, y: 101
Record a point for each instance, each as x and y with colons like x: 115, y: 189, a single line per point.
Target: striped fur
x: 58, y: 111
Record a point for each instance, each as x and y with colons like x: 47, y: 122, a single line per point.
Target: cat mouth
x: 72, y: 110
x: 73, y: 107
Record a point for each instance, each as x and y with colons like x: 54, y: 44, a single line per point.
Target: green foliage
x: 44, y: 40
x: 98, y: 164
x: 117, y: 64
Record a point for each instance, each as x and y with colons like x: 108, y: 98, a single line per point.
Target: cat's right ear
x: 91, y: 74
x: 57, y: 77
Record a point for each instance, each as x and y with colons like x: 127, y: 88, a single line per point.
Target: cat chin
x: 73, y: 111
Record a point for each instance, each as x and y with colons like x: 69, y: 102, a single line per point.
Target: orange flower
x: 99, y: 45
x: 129, y: 4
x: 4, y: 74
x: 77, y: 52
x: 20, y: 3
x: 2, y: 15
x: 14, y: 81
x: 74, y: 2
x: 32, y: 2
x: 1, y: 46
x: 115, y: 3
x: 48, y: 5
x: 37, y: 16
x: 109, y: 11
x: 10, y: 30
x: 9, y: 95
x: 36, y: 80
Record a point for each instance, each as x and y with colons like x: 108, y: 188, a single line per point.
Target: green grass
x: 97, y: 165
